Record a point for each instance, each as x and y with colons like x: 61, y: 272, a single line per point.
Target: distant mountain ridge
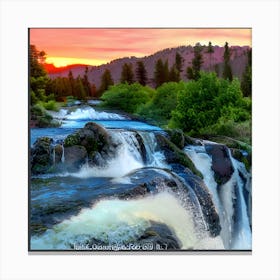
x: 238, y: 61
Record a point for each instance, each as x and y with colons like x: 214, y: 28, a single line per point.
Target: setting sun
x: 64, y: 61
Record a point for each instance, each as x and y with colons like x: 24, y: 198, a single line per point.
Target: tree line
x: 44, y: 89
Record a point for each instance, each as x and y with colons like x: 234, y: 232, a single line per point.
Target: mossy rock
x: 41, y: 155
x: 177, y: 137
x: 72, y: 140
x: 174, y: 155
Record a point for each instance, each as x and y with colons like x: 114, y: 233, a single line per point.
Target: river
x: 94, y: 207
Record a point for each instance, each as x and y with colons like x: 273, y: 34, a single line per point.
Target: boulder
x: 97, y: 142
x: 161, y: 236
x: 174, y: 155
x: 177, y: 137
x: 221, y: 162
x: 75, y: 156
x: 41, y: 158
x: 208, y: 208
x: 58, y: 153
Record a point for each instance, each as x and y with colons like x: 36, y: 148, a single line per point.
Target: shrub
x: 127, y: 97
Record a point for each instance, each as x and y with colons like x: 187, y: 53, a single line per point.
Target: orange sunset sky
x: 98, y: 46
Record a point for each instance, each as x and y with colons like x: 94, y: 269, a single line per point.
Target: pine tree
x: 141, y: 73
x: 210, y: 50
x: 161, y: 73
x: 197, y: 61
x: 174, y: 74
x: 227, y: 73
x: 192, y: 73
x: 86, y: 83
x: 106, y: 81
x: 71, y: 82
x: 246, y: 82
x: 127, y: 75
x: 179, y: 61
x: 189, y: 73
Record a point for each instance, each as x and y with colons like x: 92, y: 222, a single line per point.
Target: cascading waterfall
x: 234, y: 220
x: 53, y: 156
x: 62, y: 155
x: 155, y: 157
x: 85, y: 113
x: 129, y: 164
x: 243, y: 235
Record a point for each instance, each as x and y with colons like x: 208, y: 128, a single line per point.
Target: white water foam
x: 127, y: 159
x: 118, y: 221
x: 243, y: 236
x: 225, y: 198
x: 89, y: 113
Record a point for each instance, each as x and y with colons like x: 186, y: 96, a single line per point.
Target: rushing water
x: 72, y: 208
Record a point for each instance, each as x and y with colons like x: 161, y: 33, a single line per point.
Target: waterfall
x: 243, y: 235
x: 228, y: 199
x: 53, y: 156
x: 154, y: 157
x: 62, y: 156
x: 119, y: 221
x: 85, y: 113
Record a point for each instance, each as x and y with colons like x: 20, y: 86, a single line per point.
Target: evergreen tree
x: 79, y: 88
x: 192, y: 73
x: 106, y: 81
x: 227, y: 73
x: 161, y: 73
x: 165, y: 71
x: 174, y: 74
x: 127, y: 75
x: 86, y: 83
x: 189, y: 73
x: 246, y: 82
x: 36, y: 60
x: 179, y: 61
x: 197, y: 61
x: 210, y: 50
x: 158, y: 73
x: 71, y: 82
x: 141, y: 73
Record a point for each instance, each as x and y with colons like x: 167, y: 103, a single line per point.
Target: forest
x: 204, y: 105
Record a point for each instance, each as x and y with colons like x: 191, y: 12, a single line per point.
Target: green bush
x: 37, y: 110
x: 50, y: 105
x: 127, y: 97
x: 210, y: 103
x: 163, y: 102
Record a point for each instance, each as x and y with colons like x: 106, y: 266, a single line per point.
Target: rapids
x: 118, y: 202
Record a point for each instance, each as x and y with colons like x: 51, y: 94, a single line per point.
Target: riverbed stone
x: 75, y: 157
x: 160, y: 236
x: 221, y: 162
x: 174, y: 155
x: 41, y: 159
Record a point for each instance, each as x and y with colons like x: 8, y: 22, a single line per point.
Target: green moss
x: 180, y: 157
x: 71, y: 140
x: 177, y: 137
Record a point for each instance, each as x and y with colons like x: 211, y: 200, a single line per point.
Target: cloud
x: 107, y: 44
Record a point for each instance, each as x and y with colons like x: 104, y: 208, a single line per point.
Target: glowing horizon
x: 98, y: 46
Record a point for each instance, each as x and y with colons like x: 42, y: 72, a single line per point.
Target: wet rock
x: 58, y: 153
x: 97, y: 142
x: 177, y: 137
x: 142, y: 149
x: 41, y: 160
x: 136, y: 192
x: 209, y: 211
x: 221, y: 162
x: 174, y: 155
x: 75, y: 156
x: 161, y: 236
